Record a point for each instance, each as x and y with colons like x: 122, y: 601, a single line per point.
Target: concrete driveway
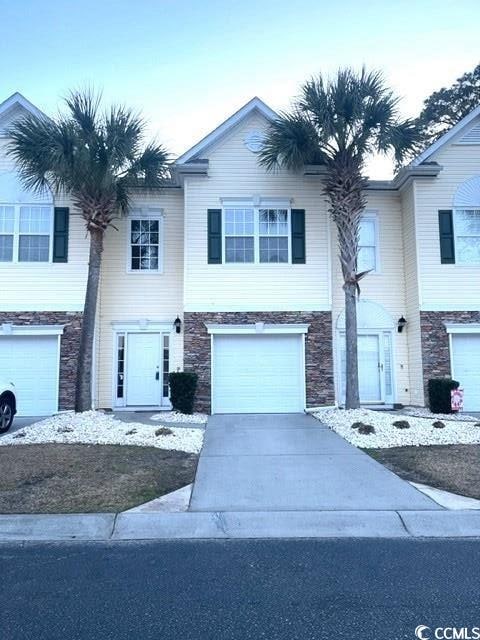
x: 291, y: 462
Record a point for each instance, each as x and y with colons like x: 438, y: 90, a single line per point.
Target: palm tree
x: 96, y: 158
x: 339, y: 123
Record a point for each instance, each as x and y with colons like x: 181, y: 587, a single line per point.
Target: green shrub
x: 438, y: 424
x: 439, y: 397
x: 366, y: 429
x: 183, y: 386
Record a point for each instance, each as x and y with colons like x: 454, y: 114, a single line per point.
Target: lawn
x: 80, y: 478
x: 454, y: 468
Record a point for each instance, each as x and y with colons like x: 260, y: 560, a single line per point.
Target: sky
x: 187, y: 66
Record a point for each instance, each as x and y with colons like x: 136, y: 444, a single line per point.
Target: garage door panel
x: 258, y: 374
x: 466, y: 367
x: 31, y: 363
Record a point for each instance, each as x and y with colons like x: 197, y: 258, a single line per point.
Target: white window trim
x: 256, y: 328
x: 16, y: 233
x: 455, y: 236
x: 7, y: 329
x: 146, y: 213
x: 372, y: 214
x: 453, y: 327
x: 264, y: 204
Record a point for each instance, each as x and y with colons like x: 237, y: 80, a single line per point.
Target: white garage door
x: 31, y: 363
x: 258, y: 374
x: 466, y: 367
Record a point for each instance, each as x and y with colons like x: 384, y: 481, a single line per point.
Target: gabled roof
x: 18, y: 99
x: 446, y: 137
x: 253, y: 105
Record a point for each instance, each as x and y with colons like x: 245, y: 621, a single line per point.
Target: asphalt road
x: 370, y: 589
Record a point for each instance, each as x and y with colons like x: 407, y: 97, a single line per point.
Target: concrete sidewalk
x: 240, y: 525
x: 291, y: 462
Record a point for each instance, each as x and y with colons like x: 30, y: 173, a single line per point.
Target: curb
x: 239, y: 525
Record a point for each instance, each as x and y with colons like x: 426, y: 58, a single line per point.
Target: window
x: 25, y: 233
x: 239, y: 235
x: 273, y: 231
x: 145, y: 244
x: 120, y: 365
x: 368, y: 245
x: 467, y: 236
x: 166, y: 365
x: 256, y: 235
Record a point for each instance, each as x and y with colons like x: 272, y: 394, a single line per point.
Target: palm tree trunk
x: 352, y: 395
x: 83, y: 399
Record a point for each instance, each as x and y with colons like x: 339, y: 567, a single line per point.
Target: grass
x: 454, y: 468
x: 80, y: 478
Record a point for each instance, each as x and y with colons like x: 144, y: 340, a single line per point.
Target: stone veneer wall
x: 318, y: 349
x: 70, y: 342
x: 435, y: 344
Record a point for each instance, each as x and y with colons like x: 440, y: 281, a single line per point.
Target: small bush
x: 366, y: 429
x: 163, y: 431
x: 401, y: 424
x: 183, y: 386
x: 438, y: 424
x: 439, y: 396
x: 355, y: 425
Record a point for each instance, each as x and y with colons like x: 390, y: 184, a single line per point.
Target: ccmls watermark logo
x: 422, y: 632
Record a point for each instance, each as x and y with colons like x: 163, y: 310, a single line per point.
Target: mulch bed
x: 79, y: 478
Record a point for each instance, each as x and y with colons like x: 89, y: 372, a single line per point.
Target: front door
x: 369, y: 368
x: 374, y: 366
x: 143, y: 370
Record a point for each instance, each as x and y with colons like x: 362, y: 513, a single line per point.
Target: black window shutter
x: 214, y: 236
x: 447, y: 239
x: 298, y: 236
x: 60, y: 234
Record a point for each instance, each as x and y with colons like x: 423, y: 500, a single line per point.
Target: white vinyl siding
x: 234, y: 174
x: 43, y: 286
x: 129, y: 297
x: 386, y: 288
x: 437, y: 281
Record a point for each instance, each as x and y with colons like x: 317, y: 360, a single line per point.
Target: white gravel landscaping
x: 176, y: 416
x: 421, y: 431
x: 97, y: 427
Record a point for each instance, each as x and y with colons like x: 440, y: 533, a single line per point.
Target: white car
x: 8, y: 405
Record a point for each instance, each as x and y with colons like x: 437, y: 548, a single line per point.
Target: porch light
x: 401, y: 323
x: 177, y: 324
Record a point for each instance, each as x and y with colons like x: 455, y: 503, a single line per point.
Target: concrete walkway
x: 291, y: 462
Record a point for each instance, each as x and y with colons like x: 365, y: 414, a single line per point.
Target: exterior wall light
x: 401, y: 324
x: 177, y: 324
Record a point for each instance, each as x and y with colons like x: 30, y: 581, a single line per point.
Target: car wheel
x: 6, y: 414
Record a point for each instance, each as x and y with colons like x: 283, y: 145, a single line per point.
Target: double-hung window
x: 256, y: 235
x: 145, y: 241
x: 467, y: 236
x: 368, y: 259
x: 26, y: 233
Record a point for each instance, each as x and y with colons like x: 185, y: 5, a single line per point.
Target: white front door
x: 375, y: 371
x: 369, y: 368
x: 143, y: 370
x: 466, y: 367
x: 258, y: 374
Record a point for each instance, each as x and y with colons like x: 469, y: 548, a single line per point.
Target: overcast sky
x: 188, y: 65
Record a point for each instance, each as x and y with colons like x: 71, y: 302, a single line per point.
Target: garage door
x: 258, y: 374
x: 466, y: 367
x: 31, y: 363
